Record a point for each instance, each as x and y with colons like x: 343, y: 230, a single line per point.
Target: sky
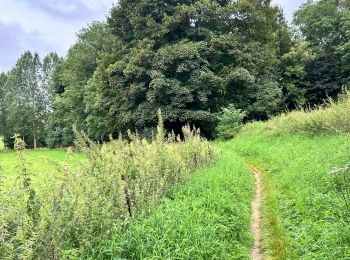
x: 51, y: 25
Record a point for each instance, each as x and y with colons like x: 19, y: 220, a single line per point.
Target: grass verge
x: 209, y: 218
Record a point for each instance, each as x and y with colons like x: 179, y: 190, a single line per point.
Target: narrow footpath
x: 256, y: 216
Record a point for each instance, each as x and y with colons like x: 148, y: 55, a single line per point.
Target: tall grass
x: 71, y: 212
x: 304, y: 157
x: 305, y: 215
x: 332, y: 117
x: 208, y: 218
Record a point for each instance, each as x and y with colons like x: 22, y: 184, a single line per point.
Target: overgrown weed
x: 79, y: 208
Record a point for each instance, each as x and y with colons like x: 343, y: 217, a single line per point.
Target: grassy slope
x: 304, y: 214
x: 208, y: 218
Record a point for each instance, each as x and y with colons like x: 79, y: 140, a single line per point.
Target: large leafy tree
x: 325, y: 24
x: 190, y: 58
x: 293, y: 71
x: 70, y: 84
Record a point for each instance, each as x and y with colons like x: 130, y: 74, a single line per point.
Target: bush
x: 230, y: 122
x: 70, y: 212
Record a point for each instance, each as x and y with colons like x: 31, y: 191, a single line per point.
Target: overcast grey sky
x: 51, y: 25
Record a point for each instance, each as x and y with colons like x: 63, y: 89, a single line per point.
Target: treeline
x: 190, y: 58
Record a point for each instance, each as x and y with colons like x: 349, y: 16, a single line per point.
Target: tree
x: 190, y: 58
x: 230, y: 121
x: 27, y: 99
x: 49, y: 65
x: 325, y: 24
x: 24, y: 99
x: 293, y: 71
x: 70, y: 83
x: 3, y: 80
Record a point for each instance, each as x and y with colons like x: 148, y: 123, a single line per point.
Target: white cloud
x: 51, y: 25
x: 44, y: 25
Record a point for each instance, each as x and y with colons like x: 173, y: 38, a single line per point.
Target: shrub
x: 70, y: 212
x: 230, y: 122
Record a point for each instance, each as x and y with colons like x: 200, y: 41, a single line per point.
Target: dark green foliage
x: 190, y: 58
x: 325, y: 24
x: 71, y: 81
x: 293, y: 69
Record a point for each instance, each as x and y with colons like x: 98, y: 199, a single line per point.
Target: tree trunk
x: 34, y: 137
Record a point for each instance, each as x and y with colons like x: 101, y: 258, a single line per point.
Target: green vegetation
x: 207, y: 218
x: 189, y: 58
x: 66, y: 214
x: 230, y: 121
x: 40, y: 162
x: 205, y: 64
x: 2, y: 145
x: 140, y: 199
x: 332, y: 117
x: 304, y: 214
x: 304, y: 158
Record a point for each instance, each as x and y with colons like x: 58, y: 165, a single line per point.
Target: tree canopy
x: 189, y: 58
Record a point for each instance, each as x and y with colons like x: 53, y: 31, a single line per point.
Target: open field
x: 39, y: 162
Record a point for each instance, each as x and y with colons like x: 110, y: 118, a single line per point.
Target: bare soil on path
x: 256, y: 216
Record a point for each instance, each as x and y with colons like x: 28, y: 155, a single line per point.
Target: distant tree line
x: 189, y: 58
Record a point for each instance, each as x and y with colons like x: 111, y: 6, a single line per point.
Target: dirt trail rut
x: 256, y: 216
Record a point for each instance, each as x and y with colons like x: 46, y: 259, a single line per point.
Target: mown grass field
x: 42, y: 164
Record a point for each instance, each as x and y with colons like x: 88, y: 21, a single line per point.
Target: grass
x: 332, y: 117
x: 209, y: 218
x: 304, y: 214
x: 65, y: 213
x: 40, y: 162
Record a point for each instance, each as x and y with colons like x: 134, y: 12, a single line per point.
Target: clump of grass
x: 68, y: 214
x: 332, y: 117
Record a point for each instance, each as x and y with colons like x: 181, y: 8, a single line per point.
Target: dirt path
x: 256, y: 216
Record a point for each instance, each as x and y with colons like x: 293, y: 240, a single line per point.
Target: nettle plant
x: 342, y: 181
x: 72, y: 210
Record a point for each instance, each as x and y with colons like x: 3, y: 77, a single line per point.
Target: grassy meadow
x: 191, y: 199
x: 40, y: 162
x: 304, y: 214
